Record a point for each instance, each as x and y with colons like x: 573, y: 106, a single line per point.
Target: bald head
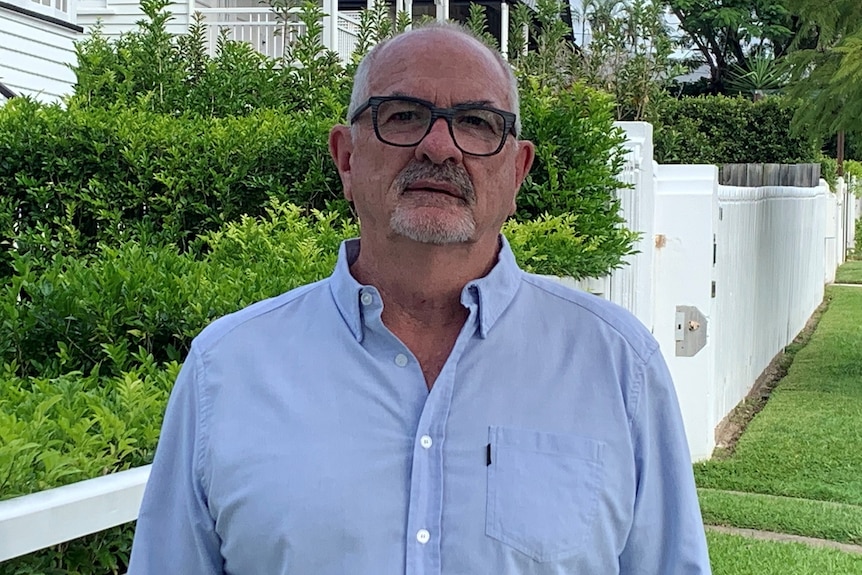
x: 411, y: 44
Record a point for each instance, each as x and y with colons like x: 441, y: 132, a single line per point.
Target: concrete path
x: 786, y: 538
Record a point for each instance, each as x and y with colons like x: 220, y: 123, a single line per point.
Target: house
x: 36, y: 47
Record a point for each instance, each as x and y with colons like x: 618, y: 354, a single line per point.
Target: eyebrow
x: 487, y: 103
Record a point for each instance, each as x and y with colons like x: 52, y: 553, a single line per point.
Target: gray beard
x: 407, y: 222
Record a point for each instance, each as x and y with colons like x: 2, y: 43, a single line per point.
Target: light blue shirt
x: 301, y: 439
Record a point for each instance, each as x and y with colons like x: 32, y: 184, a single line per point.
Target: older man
x: 429, y: 408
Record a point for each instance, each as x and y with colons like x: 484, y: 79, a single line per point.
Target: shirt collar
x: 492, y: 294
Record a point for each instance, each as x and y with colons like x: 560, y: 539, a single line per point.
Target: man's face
x: 432, y: 192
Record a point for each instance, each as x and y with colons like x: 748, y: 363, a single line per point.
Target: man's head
x: 431, y: 153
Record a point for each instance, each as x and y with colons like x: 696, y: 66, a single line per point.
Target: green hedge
x: 79, y: 177
x: 722, y: 130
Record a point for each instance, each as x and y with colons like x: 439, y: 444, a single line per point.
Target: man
x: 429, y: 408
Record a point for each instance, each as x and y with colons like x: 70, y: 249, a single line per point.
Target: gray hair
x: 360, y: 79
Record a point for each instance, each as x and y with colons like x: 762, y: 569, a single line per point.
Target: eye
x: 403, y: 116
x: 475, y: 121
x: 480, y: 121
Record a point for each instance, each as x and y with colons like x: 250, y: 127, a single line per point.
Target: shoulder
x: 257, y: 313
x: 584, y: 309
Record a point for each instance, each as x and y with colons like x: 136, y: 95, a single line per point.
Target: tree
x: 727, y: 33
x: 827, y: 75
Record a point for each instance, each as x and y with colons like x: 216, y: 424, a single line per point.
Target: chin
x: 436, y: 229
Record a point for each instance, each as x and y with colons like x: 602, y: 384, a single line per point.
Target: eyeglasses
x: 404, y: 122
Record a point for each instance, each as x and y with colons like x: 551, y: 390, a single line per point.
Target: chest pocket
x: 543, y: 491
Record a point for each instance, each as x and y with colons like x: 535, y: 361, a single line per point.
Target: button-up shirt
x: 301, y: 439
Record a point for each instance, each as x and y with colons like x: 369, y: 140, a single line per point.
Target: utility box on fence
x: 689, y: 330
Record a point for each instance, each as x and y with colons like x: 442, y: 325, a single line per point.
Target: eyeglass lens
x: 405, y: 123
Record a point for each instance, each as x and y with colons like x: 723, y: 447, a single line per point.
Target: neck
x: 421, y: 284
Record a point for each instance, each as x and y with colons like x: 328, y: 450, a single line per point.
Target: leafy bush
x: 578, y: 154
x: 721, y: 130
x: 153, y: 70
x: 70, y: 428
x: 89, y: 314
x: 79, y: 312
x: 72, y: 179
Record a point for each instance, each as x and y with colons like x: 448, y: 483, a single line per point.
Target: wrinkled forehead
x: 439, y: 65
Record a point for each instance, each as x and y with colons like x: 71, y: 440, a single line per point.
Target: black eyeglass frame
x: 448, y: 114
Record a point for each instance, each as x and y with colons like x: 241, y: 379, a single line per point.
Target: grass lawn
x: 835, y: 521
x: 849, y: 273
x: 736, y: 555
x: 806, y: 441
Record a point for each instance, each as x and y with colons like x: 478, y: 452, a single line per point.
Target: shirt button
x: 422, y: 536
x: 400, y: 360
x: 366, y: 298
x: 425, y: 441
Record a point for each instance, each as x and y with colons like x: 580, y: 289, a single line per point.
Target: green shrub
x: 721, y: 130
x: 73, y: 179
x: 152, y: 70
x: 70, y: 428
x: 78, y: 312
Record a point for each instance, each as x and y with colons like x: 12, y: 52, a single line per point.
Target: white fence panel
x: 683, y: 273
x: 770, y: 265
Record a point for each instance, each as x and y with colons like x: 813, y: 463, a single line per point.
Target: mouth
x: 429, y: 186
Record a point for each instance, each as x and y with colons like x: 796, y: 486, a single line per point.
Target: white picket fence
x: 753, y: 260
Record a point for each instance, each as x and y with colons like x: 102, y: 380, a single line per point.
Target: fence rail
x: 43, y: 519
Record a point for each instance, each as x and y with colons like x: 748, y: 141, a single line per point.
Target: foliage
x: 552, y: 245
x: 78, y: 312
x: 629, y: 55
x: 759, y: 76
x: 152, y: 70
x: 573, y: 172
x: 551, y: 60
x: 55, y: 431
x: 78, y: 177
x: 721, y: 130
x: 725, y: 33
x: 826, y: 75
x: 477, y: 22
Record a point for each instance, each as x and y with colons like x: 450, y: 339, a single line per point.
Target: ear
x: 523, y: 162
x: 341, y: 149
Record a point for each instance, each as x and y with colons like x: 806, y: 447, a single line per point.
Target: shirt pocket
x: 543, y: 491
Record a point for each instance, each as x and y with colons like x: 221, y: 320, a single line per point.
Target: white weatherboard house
x: 36, y: 46
x: 37, y: 36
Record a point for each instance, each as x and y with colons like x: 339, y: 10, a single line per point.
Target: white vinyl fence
x: 753, y: 261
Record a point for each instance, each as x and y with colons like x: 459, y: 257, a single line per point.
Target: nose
x: 438, y: 146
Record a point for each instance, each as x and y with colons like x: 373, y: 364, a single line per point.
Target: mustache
x: 448, y: 172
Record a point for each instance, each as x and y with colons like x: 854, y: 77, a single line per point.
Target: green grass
x: 835, y: 521
x: 849, y: 273
x: 806, y: 441
x: 736, y: 555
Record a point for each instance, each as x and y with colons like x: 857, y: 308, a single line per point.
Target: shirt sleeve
x: 667, y: 535
x: 175, y: 532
